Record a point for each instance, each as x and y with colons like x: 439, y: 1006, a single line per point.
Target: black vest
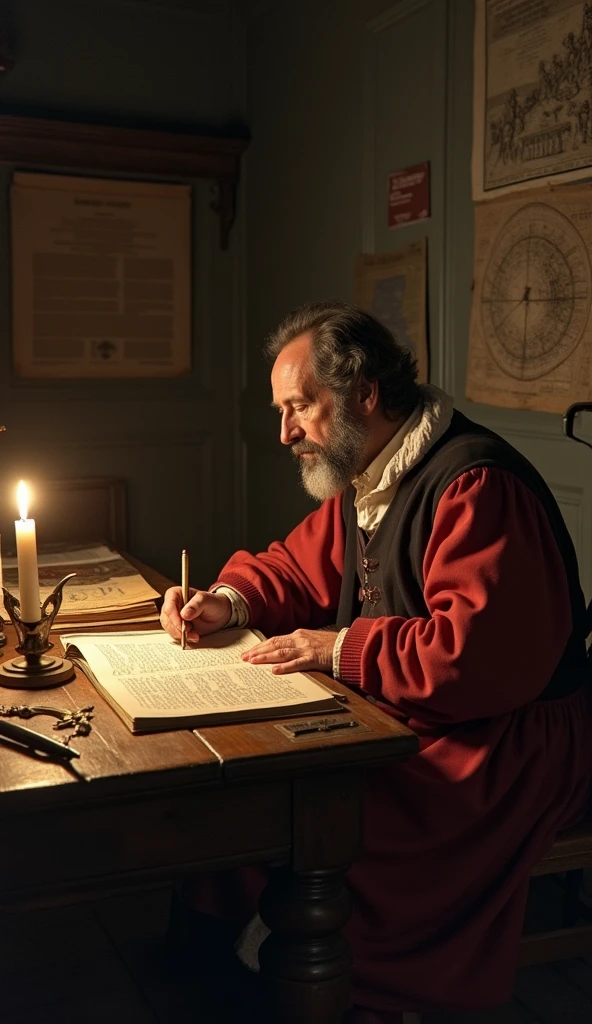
x: 396, y: 550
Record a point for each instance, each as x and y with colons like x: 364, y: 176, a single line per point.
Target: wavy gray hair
x: 349, y: 344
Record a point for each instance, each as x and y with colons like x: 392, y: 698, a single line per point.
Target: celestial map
x: 387, y: 306
x: 536, y: 292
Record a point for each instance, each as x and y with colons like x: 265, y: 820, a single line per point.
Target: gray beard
x: 334, y: 465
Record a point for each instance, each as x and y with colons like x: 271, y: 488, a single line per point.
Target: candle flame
x: 22, y: 497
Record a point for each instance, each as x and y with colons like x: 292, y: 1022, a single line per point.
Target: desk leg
x: 305, y: 960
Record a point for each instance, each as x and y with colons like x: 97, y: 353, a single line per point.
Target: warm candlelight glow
x: 26, y: 559
x: 22, y: 497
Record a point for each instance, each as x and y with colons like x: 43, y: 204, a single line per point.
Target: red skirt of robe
x: 450, y: 835
x: 440, y: 890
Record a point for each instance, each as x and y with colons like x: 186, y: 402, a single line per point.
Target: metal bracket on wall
x: 72, y: 146
x: 224, y: 204
x: 6, y: 57
x: 6, y: 61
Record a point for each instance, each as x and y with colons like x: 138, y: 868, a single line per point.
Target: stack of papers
x: 105, y: 591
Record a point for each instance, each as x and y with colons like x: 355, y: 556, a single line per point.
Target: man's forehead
x: 292, y: 370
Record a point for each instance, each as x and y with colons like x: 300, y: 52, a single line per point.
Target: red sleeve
x: 499, y: 610
x: 294, y: 584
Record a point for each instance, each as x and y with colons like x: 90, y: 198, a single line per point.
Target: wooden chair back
x: 75, y: 511
x: 568, y: 858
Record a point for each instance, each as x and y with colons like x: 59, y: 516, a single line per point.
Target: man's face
x: 325, y: 438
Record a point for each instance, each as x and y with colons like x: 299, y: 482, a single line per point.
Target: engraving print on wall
x: 100, y: 277
x: 531, y: 338
x: 392, y: 286
x: 532, y: 94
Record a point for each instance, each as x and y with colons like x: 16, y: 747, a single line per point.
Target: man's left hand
x: 303, y: 650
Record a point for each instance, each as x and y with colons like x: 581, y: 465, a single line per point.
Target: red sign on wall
x: 409, y: 195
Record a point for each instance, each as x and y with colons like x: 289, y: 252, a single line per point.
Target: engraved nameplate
x: 310, y: 728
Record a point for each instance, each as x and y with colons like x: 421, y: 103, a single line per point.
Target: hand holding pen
x: 206, y: 612
x: 185, y: 592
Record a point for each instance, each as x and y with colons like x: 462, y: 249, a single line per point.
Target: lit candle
x: 26, y: 556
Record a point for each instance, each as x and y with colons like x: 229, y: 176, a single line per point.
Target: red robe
x: 451, y: 834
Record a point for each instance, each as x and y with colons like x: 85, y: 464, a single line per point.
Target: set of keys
x: 79, y: 721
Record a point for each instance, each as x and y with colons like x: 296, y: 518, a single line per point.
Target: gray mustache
x: 306, y: 447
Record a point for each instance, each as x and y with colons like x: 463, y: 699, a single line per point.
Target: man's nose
x: 290, y: 431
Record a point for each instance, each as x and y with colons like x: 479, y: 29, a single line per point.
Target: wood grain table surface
x: 148, y: 809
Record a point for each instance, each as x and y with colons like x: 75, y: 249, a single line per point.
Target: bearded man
x: 441, y: 560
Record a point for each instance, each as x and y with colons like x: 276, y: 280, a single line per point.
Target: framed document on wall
x: 101, y: 277
x: 393, y: 287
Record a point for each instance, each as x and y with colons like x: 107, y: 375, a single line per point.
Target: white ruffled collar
x: 424, y: 427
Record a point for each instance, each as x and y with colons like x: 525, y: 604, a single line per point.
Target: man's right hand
x: 204, y: 613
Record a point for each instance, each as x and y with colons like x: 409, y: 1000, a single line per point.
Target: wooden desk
x: 158, y: 806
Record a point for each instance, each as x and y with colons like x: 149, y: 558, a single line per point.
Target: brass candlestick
x: 34, y: 670
x: 2, y: 633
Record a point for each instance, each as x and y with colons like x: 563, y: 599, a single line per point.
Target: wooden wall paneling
x: 169, y: 499
x: 149, y: 432
x: 405, y: 96
x: 458, y: 242
x: 175, y: 441
x: 303, y: 186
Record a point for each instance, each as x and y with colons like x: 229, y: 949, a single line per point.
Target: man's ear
x: 368, y: 396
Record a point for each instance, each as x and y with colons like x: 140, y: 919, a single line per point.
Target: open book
x: 153, y: 684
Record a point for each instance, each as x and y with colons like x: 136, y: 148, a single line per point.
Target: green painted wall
x: 174, y: 441
x: 340, y: 93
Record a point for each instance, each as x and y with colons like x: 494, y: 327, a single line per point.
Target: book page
x: 147, y: 673
x: 155, y: 650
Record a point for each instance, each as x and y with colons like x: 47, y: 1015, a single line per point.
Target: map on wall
x: 392, y: 286
x: 533, y: 94
x: 531, y: 336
